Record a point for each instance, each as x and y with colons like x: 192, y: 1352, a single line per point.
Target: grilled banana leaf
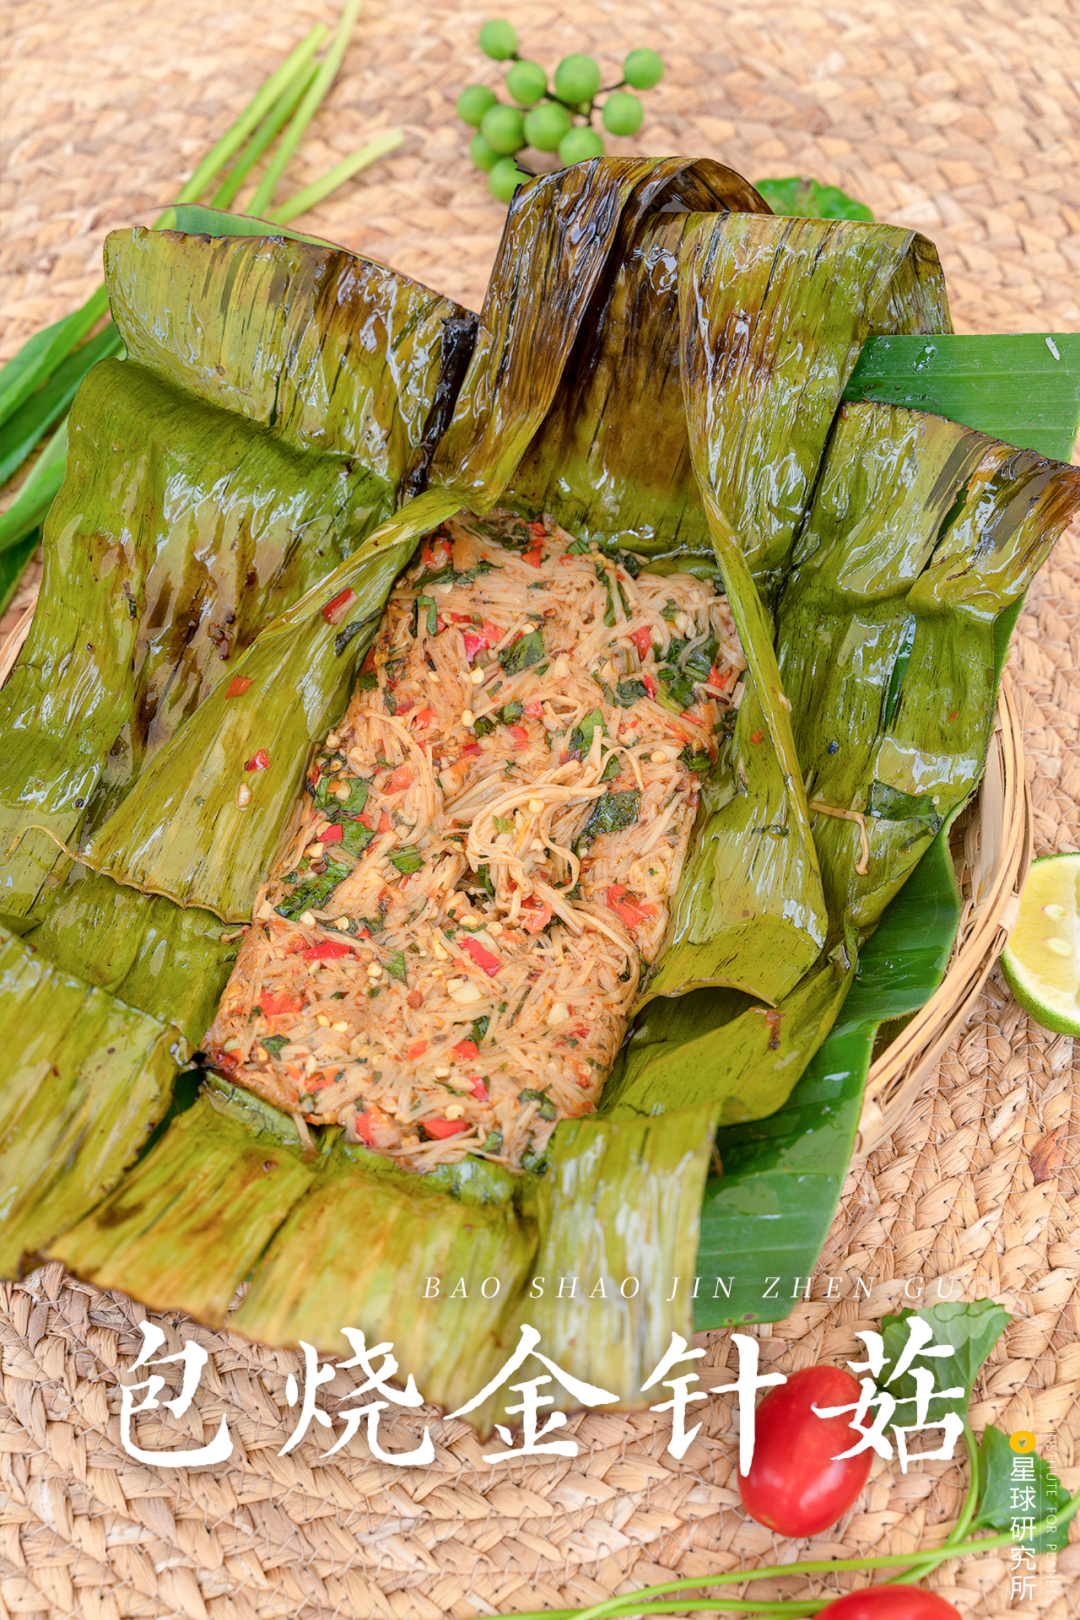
x: 85, y: 1081
x: 201, y: 500
x: 658, y: 363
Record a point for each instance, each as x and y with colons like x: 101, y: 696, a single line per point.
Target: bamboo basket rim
x: 998, y: 846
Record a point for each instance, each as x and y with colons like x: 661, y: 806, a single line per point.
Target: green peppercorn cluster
x: 556, y: 118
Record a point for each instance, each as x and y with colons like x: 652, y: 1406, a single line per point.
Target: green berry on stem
x: 577, y: 78
x: 526, y: 82
x: 505, y: 178
x: 580, y: 145
x: 545, y: 126
x: 623, y: 113
x: 498, y: 39
x: 504, y: 129
x: 484, y: 156
x: 473, y: 103
x: 643, y: 69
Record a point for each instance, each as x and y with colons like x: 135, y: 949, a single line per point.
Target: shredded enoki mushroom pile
x: 445, y: 956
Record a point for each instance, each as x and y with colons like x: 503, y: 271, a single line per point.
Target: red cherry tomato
x: 793, y: 1485
x: 890, y: 1603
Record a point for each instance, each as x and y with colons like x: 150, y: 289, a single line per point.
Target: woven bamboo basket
x: 991, y: 847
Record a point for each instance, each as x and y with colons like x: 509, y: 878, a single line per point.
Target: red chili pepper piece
x: 649, y: 682
x: 274, y: 1006
x: 539, y: 915
x: 440, y: 1129
x: 365, y: 1128
x: 336, y: 609
x: 239, y: 685
x: 465, y: 1051
x: 471, y: 750
x: 424, y: 717
x: 520, y: 735
x: 473, y: 644
x: 327, y: 951
x: 384, y: 822
x: 537, y: 531
x: 258, y: 761
x: 483, y: 958
x: 399, y: 779
x: 417, y: 1049
x: 535, y: 709
x: 642, y: 640
x: 332, y: 835
x: 534, y: 556
x: 478, y: 1086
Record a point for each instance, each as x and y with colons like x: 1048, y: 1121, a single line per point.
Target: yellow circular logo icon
x: 1023, y: 1440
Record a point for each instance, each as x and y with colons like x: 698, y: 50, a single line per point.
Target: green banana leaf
x: 207, y: 512
x: 85, y: 1081
x: 559, y: 396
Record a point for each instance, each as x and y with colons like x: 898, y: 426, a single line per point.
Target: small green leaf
x: 315, y: 892
x: 800, y: 197
x: 971, y: 1329
x: 480, y: 1028
x: 627, y: 693
x: 610, y: 814
x: 1015, y: 1487
x: 395, y: 965
x: 355, y: 837
x: 523, y: 653
x: 407, y: 859
x: 274, y: 1044
x: 340, y: 810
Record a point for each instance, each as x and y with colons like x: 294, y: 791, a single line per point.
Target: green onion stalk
x: 39, y: 383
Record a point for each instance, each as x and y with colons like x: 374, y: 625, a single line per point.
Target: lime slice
x: 1042, y: 958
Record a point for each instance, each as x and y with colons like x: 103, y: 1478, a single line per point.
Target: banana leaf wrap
x: 604, y: 346
x: 192, y: 516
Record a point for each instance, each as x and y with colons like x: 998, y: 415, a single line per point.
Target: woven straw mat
x: 960, y: 119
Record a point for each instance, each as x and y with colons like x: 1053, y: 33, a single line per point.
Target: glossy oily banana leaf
x: 922, y: 533
x: 85, y: 1080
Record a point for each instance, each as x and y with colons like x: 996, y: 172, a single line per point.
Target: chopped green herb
x: 526, y: 651
x: 314, y: 894
x: 628, y: 693
x: 454, y: 576
x: 367, y: 680
x: 696, y: 759
x: 483, y: 872
x: 492, y: 1142
x: 503, y: 824
x: 480, y: 1027
x: 274, y: 1043
x: 547, y: 1109
x: 339, y: 810
x: 395, y: 965
x: 612, y: 769
x: 512, y: 712
x: 355, y: 837
x: 407, y: 859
